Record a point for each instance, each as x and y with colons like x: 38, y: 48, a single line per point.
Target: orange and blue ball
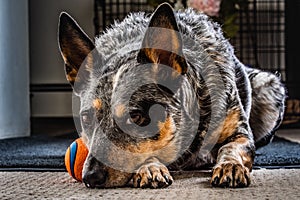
x: 75, y: 157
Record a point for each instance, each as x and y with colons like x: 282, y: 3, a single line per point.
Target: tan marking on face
x: 120, y: 110
x: 97, y: 104
x: 229, y: 125
x: 135, y: 154
x: 166, y: 129
x: 166, y: 134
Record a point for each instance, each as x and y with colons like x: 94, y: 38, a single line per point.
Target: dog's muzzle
x: 93, y: 179
x: 94, y: 175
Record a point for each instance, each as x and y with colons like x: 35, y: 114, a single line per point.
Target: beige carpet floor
x: 266, y: 184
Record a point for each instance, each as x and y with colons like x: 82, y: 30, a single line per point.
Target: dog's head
x: 129, y: 105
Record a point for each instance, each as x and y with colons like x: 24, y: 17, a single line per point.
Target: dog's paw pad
x: 152, y: 175
x: 230, y: 175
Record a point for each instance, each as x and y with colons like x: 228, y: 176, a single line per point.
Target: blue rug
x: 40, y: 152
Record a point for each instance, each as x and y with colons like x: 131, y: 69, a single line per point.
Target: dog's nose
x: 94, y: 179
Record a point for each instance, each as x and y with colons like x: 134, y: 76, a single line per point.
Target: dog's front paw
x: 230, y: 175
x: 152, y: 175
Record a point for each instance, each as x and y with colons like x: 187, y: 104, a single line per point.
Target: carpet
x: 266, y: 184
x: 42, y: 152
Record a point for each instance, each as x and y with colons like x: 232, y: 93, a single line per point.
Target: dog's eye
x: 138, y: 118
x: 87, y: 118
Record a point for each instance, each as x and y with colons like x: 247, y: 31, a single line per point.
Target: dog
x: 166, y: 92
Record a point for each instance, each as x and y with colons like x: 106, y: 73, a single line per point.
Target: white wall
x: 14, y: 69
x: 46, y: 64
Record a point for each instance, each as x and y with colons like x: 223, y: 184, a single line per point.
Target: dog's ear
x: 162, y: 42
x: 75, y: 47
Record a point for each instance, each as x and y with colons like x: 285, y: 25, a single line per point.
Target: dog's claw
x: 169, y: 180
x: 215, y: 181
x: 226, y: 183
x: 230, y: 175
x: 138, y: 182
x: 152, y: 175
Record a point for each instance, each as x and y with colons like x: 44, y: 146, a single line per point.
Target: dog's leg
x: 152, y: 174
x: 268, y: 98
x: 234, y: 163
x: 235, y: 147
x: 236, y: 153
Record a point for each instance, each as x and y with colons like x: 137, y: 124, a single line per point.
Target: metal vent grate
x: 260, y: 41
x: 106, y: 12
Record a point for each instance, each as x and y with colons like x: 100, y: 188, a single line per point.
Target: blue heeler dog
x: 165, y: 92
